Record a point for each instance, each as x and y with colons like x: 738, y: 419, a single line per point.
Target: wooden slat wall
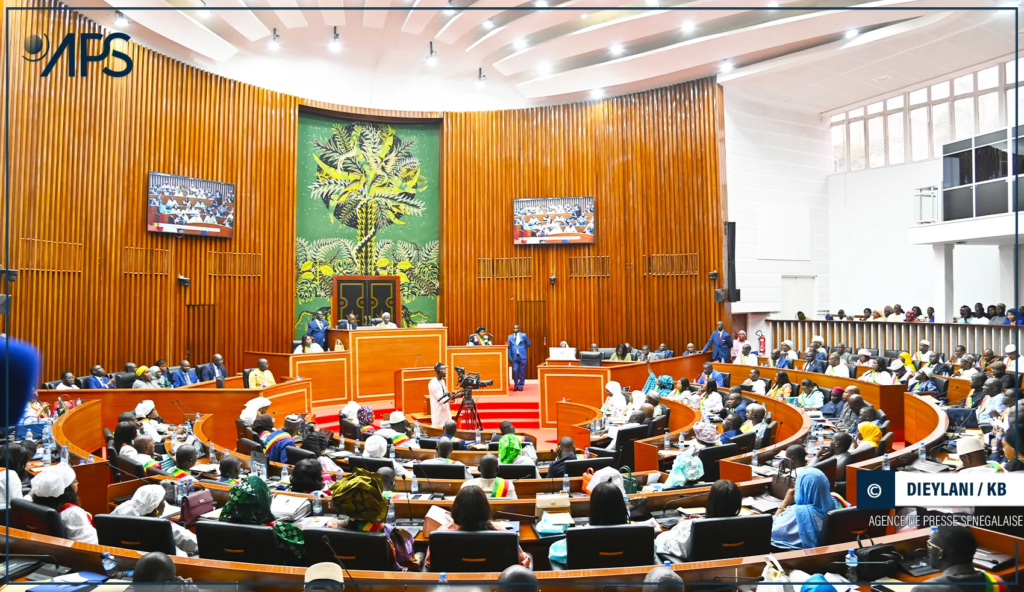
x: 650, y: 159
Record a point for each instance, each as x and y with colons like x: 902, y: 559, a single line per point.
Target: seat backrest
x: 295, y: 344
x: 607, y: 352
x: 370, y: 464
x: 517, y: 471
x: 155, y: 470
x: 942, y: 384
x: 171, y: 370
x: 891, y: 353
x: 112, y: 460
x: 466, y: 551
x: 201, y: 369
x: 122, y: 380
x: 245, y: 376
x: 237, y: 542
x: 80, y: 381
x: 357, y: 549
x: 294, y: 454
x: 609, y: 546
x: 347, y: 428
x: 36, y: 518
x: 659, y: 426
x: 843, y: 525
x: 240, y: 429
x: 589, y: 358
x: 132, y: 466
x: 624, y: 442
x: 873, y: 351
x: 827, y: 466
x: 725, y: 538
x: 885, y: 445
x: 859, y: 455
x: 439, y: 471
x: 882, y: 416
x: 428, y: 443
x: 51, y: 385
x: 884, y: 426
x: 773, y: 433
x: 576, y: 468
x: 710, y: 457
x: 767, y: 383
x: 143, y: 534
x: 246, y: 446
x: 726, y: 380
x: 744, y: 442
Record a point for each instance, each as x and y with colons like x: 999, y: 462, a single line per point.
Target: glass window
x: 1010, y: 69
x: 876, y: 142
x: 857, y: 113
x: 840, y: 117
x: 896, y: 138
x: 940, y: 91
x: 919, y: 134
x: 941, y: 132
x: 964, y: 84
x: 988, y: 112
x: 963, y: 113
x: 875, y: 108
x: 857, y: 161
x: 894, y: 103
x: 919, y: 96
x: 1013, y: 104
x: 839, y: 148
x: 988, y: 78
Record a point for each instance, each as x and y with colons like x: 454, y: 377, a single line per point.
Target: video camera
x: 472, y: 380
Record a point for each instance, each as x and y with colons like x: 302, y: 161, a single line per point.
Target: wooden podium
x: 489, y: 361
x: 377, y: 353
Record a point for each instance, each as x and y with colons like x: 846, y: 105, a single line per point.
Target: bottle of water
x: 284, y: 474
x: 189, y: 486
x: 47, y: 431
x: 753, y: 460
x: 65, y: 456
x: 188, y: 428
x: 415, y: 484
x: 46, y: 454
x: 668, y: 441
x: 922, y: 452
x: 851, y: 565
x: 416, y: 429
x: 213, y: 455
x: 442, y: 582
x: 109, y: 564
x: 91, y: 459
x: 28, y: 436
x: 391, y: 513
x: 478, y: 440
x: 78, y: 403
x: 625, y: 500
x: 586, y: 452
x: 885, y: 462
x: 180, y: 491
x: 197, y: 418
x: 391, y: 452
x: 341, y: 441
x: 317, y: 505
x: 681, y: 440
x: 565, y: 484
x: 356, y: 444
x: 263, y: 471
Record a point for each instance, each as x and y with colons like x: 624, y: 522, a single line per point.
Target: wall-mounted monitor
x: 553, y: 221
x: 187, y: 206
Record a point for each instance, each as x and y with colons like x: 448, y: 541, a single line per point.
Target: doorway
x: 200, y: 333
x: 799, y: 294
x: 531, y: 316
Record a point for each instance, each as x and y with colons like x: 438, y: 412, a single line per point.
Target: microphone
x: 682, y: 498
x: 334, y: 553
x: 513, y: 514
x: 187, y: 407
x: 180, y: 410
x: 408, y: 496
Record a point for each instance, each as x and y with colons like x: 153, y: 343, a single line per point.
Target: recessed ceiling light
x: 584, y: 15
x: 725, y: 67
x: 203, y: 12
x: 544, y: 67
x: 335, y: 44
x: 652, y: 2
x: 616, y: 49
x: 542, y: 3
x: 431, y: 55
x: 489, y: 24
x: 275, y: 41
x: 120, y: 20
x: 597, y: 93
x: 1011, y: 4
x: 852, y: 33
x: 773, y: 5
x: 450, y: 8
x: 689, y: 27
x: 883, y: 78
x: 519, y: 43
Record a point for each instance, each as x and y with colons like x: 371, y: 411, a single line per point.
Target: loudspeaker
x: 719, y: 295
x: 732, y: 294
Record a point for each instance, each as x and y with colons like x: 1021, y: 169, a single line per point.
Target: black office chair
x: 873, y: 351
x: 123, y: 380
x: 858, y: 455
x: 200, y: 370
x: 828, y: 467
x: 36, y: 518
x: 773, y: 434
x: 514, y: 472
x: 885, y: 445
x: 357, y: 549
x: 941, y: 383
x: 726, y: 538
x: 143, y: 534
x: 131, y: 466
x: 370, y: 464
x: 726, y: 379
x: 710, y: 457
x: 608, y: 546
x: 428, y: 443
x: 115, y: 475
x: 767, y: 384
x: 468, y: 551
x: 493, y: 446
x: 439, y: 471
x: 348, y: 429
x: 606, y: 352
x: 294, y: 454
x: 576, y: 468
x: 884, y: 426
x: 240, y: 428
x: 658, y: 427
x: 155, y: 471
x: 845, y: 524
x: 245, y: 376
x: 247, y: 447
x: 744, y: 442
x: 52, y: 385
x: 295, y: 343
x: 624, y: 452
x: 237, y: 542
x: 589, y: 358
x: 882, y: 417
x: 80, y: 381
x: 891, y: 353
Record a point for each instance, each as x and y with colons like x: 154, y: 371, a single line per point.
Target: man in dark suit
x: 720, y: 344
x: 951, y: 549
x: 184, y: 375
x: 99, y: 379
x: 213, y: 370
x: 317, y: 329
x: 349, y: 323
x: 517, y: 344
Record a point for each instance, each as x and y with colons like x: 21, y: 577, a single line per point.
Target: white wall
x: 777, y: 162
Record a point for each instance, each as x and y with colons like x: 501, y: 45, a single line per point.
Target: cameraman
x: 440, y: 412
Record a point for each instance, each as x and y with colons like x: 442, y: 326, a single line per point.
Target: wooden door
x: 531, y: 316
x: 201, y: 333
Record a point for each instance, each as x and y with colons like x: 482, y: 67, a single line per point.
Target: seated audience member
x: 836, y: 367
x: 184, y: 459
x: 788, y: 351
x: 566, y: 451
x: 691, y: 349
x: 834, y: 407
x: 387, y: 478
x: 124, y: 438
x: 937, y: 366
x: 308, y: 346
x: 517, y: 578
x: 1006, y: 379
x: 145, y: 451
x: 654, y: 398
x: 810, y: 397
x: 249, y: 503
x: 993, y: 403
x: 734, y: 403
x: 817, y: 362
x: 708, y: 373
x: 365, y: 417
x: 921, y: 355
x: 253, y: 409
x: 482, y: 338
x: 754, y: 381
x: 731, y: 427
x: 275, y: 441
x: 57, y: 487
x: 489, y: 481
x: 308, y: 476
x: 157, y: 568
x: 184, y: 375
x: 324, y: 577
x: 845, y: 356
x: 902, y: 368
x: 681, y: 389
x: 621, y: 354
x: 148, y: 501
x: 755, y: 421
x: 724, y: 501
x: 782, y: 389
x: 849, y: 417
x: 839, y: 448
x: 863, y: 357
x: 444, y: 451
x: 975, y: 396
x: 867, y: 429
x: 710, y: 399
x: 607, y: 508
x: 665, y: 352
x: 967, y: 369
x: 778, y: 360
x: 958, y: 353
x: 951, y: 549
x: 998, y: 315
x: 507, y: 427
x: 450, y: 429
x: 924, y: 383
x: 615, y: 401
x: 377, y: 447
x: 144, y: 379
x: 35, y: 410
x: 644, y: 355
x: 385, y: 322
x: 98, y: 378
x: 160, y: 375
x: 261, y: 377
x: 396, y: 431
x: 974, y: 457
x: 151, y: 423
x: 663, y: 579
x: 471, y: 512
x: 1014, y: 459
x: 230, y: 469
x: 67, y: 381
x: 797, y: 455
x: 1013, y: 317
x: 510, y: 453
x: 14, y: 457
x: 877, y: 373
x: 636, y: 401
x: 988, y: 357
x: 746, y: 358
x: 798, y: 521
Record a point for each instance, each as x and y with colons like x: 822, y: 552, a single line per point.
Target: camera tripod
x: 468, y: 405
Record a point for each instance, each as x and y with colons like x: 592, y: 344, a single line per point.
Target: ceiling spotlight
x: 616, y: 49
x: 481, y: 79
x: 432, y: 56
x: 584, y: 15
x: 335, y: 43
x: 652, y: 2
x: 275, y: 41
x: 450, y: 8
x: 852, y: 33
x: 773, y: 4
x: 597, y: 93
x: 120, y: 20
x: 519, y: 43
x: 689, y: 27
x: 542, y: 3
x: 725, y: 67
x: 203, y: 12
x: 489, y: 24
x: 544, y: 67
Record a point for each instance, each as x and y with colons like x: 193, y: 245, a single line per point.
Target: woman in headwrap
x: 737, y: 345
x: 376, y: 447
x: 249, y: 503
x: 665, y: 384
x: 870, y: 434
x: 510, y: 453
x: 360, y: 496
x: 1013, y: 317
x: 150, y: 422
x: 636, y: 401
x: 274, y: 441
x: 877, y: 315
x: 253, y: 409
x: 57, y: 487
x: 149, y: 501
x: 908, y: 362
x: 365, y: 417
x: 798, y: 521
x: 615, y: 403
x: 144, y: 379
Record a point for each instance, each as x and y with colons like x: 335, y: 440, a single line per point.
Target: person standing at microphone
x: 440, y: 412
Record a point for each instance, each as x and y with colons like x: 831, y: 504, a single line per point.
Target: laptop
x: 562, y: 353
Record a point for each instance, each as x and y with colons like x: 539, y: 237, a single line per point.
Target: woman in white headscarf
x: 145, y: 412
x: 376, y: 447
x: 57, y: 488
x: 615, y: 404
x: 148, y: 501
x: 637, y: 399
x: 253, y: 409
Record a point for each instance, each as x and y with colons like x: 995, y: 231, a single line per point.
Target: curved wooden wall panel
x: 651, y: 160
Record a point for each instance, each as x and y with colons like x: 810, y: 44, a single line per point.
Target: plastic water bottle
x: 356, y: 449
x: 885, y: 463
x: 263, y: 471
x: 478, y: 440
x: 46, y: 454
x: 442, y: 582
x: 28, y: 436
x: 922, y: 452
x: 851, y: 566
x: 213, y: 455
x: 188, y: 428
x: 391, y: 453
x: 753, y: 460
x: 341, y: 441
x: 586, y: 452
x: 284, y: 474
x: 391, y: 513
x: 681, y: 440
x: 65, y: 456
x: 565, y: 483
x: 416, y: 429
x: 91, y: 459
x: 78, y: 403
x: 109, y: 564
x: 318, y: 507
x: 415, y: 485
x: 668, y: 441
x: 180, y: 491
x: 197, y: 418
x: 189, y: 486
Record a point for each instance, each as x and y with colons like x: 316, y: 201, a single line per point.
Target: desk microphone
x: 408, y: 495
x: 334, y: 553
x: 513, y: 514
x: 187, y: 407
x: 180, y: 410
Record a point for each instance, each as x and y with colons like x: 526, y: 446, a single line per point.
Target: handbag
x: 195, y: 505
x: 586, y: 479
x: 784, y: 480
x: 773, y: 577
x: 629, y: 484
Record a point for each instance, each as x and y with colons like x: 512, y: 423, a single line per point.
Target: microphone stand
x: 187, y: 407
x: 337, y: 558
x: 408, y: 498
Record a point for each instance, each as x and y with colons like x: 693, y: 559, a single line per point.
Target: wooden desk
x: 411, y: 393
x: 573, y: 420
x: 377, y: 353
x: 490, y: 361
x: 958, y: 390
x: 794, y: 423
x: 680, y: 421
x: 330, y: 373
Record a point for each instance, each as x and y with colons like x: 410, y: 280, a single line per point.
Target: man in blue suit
x: 184, y: 376
x: 720, y: 344
x: 213, y: 370
x: 317, y: 329
x: 349, y: 323
x: 517, y: 344
x: 99, y: 379
x: 780, y: 361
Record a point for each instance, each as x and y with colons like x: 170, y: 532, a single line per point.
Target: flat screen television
x: 553, y: 221
x: 187, y: 206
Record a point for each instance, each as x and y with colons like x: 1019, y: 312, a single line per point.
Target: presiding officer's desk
x: 329, y: 371
x: 376, y: 354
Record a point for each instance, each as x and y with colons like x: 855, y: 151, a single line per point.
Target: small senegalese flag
x: 229, y: 481
x: 179, y: 474
x: 399, y: 439
x: 839, y: 499
x: 501, y: 487
x: 998, y: 467
x: 367, y: 428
